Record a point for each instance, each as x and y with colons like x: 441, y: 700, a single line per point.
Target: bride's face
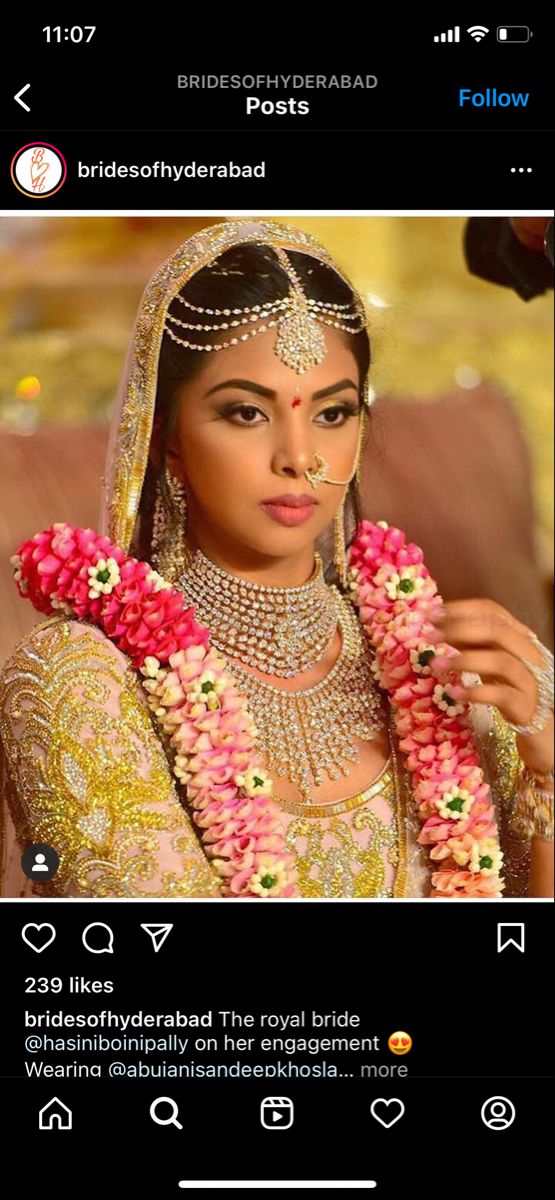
x: 247, y: 428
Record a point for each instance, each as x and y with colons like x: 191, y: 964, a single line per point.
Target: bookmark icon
x: 158, y: 933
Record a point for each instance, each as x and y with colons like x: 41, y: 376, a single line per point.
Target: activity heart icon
x: 387, y: 1112
x: 38, y: 937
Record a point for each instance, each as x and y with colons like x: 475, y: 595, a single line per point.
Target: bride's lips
x: 290, y: 509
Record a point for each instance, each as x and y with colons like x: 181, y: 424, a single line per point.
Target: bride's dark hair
x: 244, y: 275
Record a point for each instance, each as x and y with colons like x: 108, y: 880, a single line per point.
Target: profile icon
x: 40, y: 862
x: 498, y: 1112
x: 38, y: 169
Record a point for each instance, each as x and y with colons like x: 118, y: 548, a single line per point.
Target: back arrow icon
x: 19, y: 95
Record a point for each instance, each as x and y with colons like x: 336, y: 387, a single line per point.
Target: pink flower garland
x: 206, y: 722
x: 196, y: 703
x: 396, y: 597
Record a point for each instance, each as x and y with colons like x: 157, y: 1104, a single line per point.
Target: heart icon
x: 379, y: 1109
x: 38, y: 937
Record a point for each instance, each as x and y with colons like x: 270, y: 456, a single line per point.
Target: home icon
x: 55, y: 1115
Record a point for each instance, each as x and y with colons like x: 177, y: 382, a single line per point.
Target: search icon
x: 106, y: 945
x: 172, y: 1120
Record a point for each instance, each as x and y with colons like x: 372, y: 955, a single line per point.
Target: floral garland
x: 212, y: 735
x: 396, y: 596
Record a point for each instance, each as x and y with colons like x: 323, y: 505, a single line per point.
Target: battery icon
x: 513, y: 33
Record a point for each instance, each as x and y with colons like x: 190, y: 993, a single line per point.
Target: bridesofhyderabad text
x: 225, y: 1018
x: 173, y: 171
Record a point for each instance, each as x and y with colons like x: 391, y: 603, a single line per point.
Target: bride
x: 242, y: 688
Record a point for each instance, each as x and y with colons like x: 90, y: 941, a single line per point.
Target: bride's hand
x: 491, y: 642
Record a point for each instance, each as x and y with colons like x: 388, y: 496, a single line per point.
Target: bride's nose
x: 295, y: 452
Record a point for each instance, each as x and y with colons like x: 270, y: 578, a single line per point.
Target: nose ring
x: 320, y: 475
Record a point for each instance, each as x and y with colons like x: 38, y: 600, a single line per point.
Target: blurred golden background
x: 69, y: 290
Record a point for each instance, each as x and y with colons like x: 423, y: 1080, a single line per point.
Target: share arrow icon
x: 158, y: 933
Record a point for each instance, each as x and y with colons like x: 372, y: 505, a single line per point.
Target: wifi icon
x: 477, y: 32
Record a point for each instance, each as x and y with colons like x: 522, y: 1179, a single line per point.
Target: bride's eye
x: 330, y: 415
x: 246, y: 412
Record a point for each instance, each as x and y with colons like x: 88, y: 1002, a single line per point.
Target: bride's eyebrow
x: 335, y: 387
x: 247, y: 385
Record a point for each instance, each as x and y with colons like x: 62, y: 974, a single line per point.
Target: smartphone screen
x: 276, y: 648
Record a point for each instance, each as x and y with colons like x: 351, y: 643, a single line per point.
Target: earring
x: 168, y: 547
x: 339, y: 556
x: 361, y: 445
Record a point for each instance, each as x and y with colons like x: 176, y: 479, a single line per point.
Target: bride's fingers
x: 483, y: 609
x: 494, y: 666
x: 485, y: 632
x: 511, y: 703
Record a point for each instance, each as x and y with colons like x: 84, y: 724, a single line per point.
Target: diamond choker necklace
x: 282, y: 631
x: 279, y: 630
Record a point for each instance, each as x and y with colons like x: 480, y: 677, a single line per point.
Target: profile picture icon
x: 38, y: 169
x: 498, y: 1112
x: 40, y: 861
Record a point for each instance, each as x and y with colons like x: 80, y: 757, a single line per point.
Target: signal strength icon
x: 477, y: 32
x: 451, y: 35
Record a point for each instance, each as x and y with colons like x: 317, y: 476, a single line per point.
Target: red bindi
x: 295, y: 401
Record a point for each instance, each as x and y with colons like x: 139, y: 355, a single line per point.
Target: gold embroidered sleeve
x: 503, y: 766
x: 87, y: 774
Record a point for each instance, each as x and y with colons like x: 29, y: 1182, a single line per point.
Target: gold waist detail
x: 346, y: 856
x: 382, y: 783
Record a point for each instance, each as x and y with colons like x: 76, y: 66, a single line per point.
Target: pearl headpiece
x: 300, y: 343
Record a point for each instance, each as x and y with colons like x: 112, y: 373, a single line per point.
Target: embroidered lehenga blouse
x: 83, y: 770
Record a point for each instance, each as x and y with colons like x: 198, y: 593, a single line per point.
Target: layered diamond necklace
x: 283, y: 632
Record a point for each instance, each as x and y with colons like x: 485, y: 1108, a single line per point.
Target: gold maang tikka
x: 168, y: 546
x: 300, y: 343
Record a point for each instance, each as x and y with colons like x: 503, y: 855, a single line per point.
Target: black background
x: 404, y: 144
x: 126, y: 77
x: 477, y: 1019
x: 351, y: 170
